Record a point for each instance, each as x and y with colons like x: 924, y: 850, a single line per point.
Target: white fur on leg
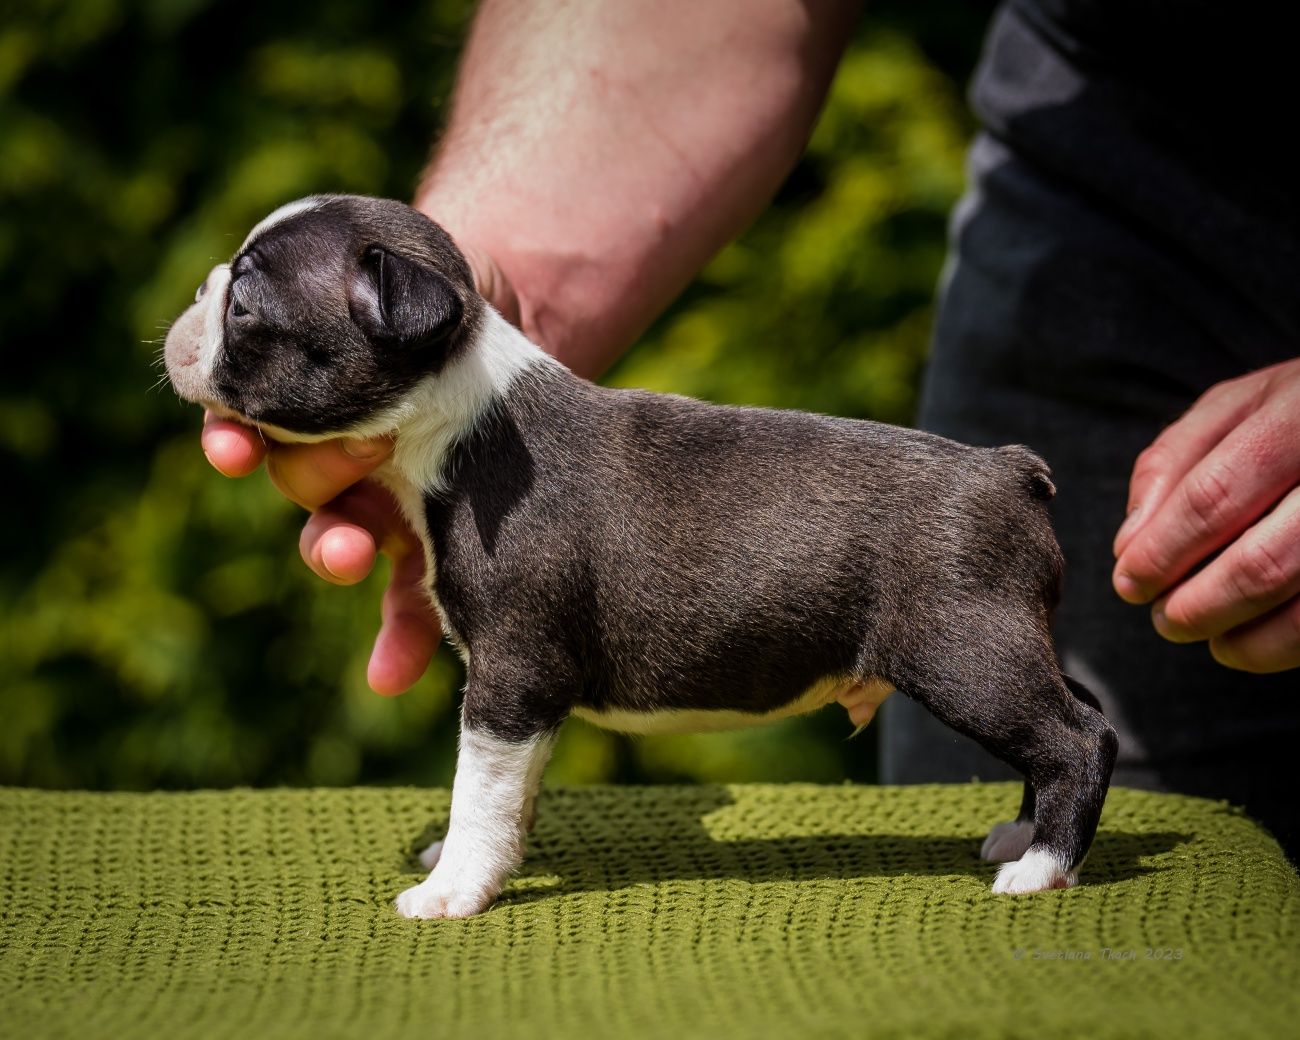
x: 1007, y: 841
x: 429, y: 857
x: 485, y: 837
x: 1036, y: 871
x: 534, y: 788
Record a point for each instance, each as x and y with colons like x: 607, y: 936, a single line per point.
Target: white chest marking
x: 410, y: 502
x: 437, y: 413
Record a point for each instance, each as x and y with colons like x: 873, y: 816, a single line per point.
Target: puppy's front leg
x: 491, y: 800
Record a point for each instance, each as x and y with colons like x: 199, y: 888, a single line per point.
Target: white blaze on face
x: 289, y: 209
x: 195, y: 341
x: 214, y: 320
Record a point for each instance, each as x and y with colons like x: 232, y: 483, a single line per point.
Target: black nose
x: 198, y: 293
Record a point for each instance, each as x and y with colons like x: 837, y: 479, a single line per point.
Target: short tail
x: 1035, y: 473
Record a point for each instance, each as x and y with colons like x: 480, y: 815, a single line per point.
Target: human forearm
x: 599, y: 153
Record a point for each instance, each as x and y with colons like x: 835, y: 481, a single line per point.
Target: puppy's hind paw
x: 1007, y: 841
x: 1036, y: 871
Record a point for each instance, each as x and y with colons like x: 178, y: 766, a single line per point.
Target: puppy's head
x: 333, y: 309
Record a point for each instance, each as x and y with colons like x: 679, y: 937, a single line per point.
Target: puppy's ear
x: 403, y: 302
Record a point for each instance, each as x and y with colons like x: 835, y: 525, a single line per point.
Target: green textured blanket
x: 792, y: 911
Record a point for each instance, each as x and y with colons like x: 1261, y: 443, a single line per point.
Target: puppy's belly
x: 860, y: 698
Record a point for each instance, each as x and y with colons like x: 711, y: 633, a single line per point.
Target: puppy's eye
x: 237, y: 309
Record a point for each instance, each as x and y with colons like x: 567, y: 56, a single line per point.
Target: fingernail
x: 1128, y: 588
x: 325, y: 563
x: 328, y: 539
x: 363, y: 450
x: 1159, y: 620
x: 1167, y: 629
x: 1128, y: 523
x: 213, y: 463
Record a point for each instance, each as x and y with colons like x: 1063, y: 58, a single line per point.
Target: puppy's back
x: 732, y: 555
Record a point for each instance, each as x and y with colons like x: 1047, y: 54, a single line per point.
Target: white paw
x: 1007, y: 841
x: 434, y: 898
x: 1035, y: 871
x: 430, y: 856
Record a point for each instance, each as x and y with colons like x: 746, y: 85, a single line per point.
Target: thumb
x: 313, y: 474
x: 492, y: 284
x: 232, y: 448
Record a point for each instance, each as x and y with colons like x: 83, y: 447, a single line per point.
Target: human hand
x: 1224, y: 476
x: 353, y: 520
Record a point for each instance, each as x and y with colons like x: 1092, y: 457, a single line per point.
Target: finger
x: 1256, y: 573
x: 313, y: 474
x: 233, y: 449
x: 338, y: 551
x: 1271, y: 644
x: 410, y: 631
x: 492, y: 284
x: 1250, y: 469
x: 1159, y: 469
x: 341, y: 539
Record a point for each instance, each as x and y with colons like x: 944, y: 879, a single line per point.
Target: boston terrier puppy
x: 647, y: 562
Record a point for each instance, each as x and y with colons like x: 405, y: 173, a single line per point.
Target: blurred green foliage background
x: 156, y: 626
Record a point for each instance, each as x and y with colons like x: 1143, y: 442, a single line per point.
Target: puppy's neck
x: 445, y: 407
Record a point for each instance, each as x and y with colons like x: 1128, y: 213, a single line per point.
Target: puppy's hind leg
x: 1070, y: 774
x: 1004, y: 690
x: 1008, y: 842
x: 1001, y: 843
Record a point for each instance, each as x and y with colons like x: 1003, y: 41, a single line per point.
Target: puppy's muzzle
x: 195, y: 341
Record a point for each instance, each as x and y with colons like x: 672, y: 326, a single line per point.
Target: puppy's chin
x: 224, y: 411
x: 269, y: 430
x: 221, y: 410
x: 284, y: 436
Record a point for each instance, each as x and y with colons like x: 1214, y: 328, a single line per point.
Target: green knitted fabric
x: 792, y: 911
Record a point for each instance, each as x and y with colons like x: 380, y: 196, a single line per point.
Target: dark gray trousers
x: 1069, y: 331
